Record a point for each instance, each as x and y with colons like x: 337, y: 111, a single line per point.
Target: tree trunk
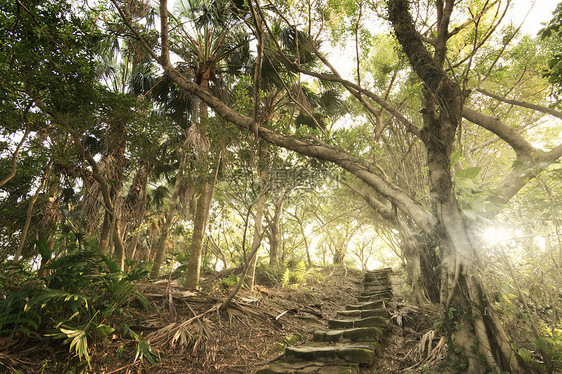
x: 275, y: 232
x: 199, y: 226
x: 105, y: 233
x: 256, y: 240
x: 134, y: 209
x: 471, y: 324
x: 169, y: 217
x: 339, y: 255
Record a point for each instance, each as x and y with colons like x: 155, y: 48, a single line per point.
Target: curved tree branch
x: 15, y: 157
x: 532, y: 160
x: 508, y: 134
x: 323, y: 152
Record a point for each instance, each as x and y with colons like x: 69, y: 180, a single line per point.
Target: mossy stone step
x: 374, y: 291
x: 377, y: 280
x: 362, y: 355
x: 376, y: 276
x: 381, y: 282
x: 376, y: 297
x: 375, y: 288
x: 355, y: 334
x: 368, y: 305
x: 379, y: 271
x: 281, y: 367
x: 374, y: 321
x: 360, y: 314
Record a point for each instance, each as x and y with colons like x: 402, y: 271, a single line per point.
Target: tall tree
x: 474, y: 329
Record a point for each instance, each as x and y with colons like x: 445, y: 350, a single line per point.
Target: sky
x: 541, y: 12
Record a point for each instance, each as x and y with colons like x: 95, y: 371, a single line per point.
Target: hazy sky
x: 540, y: 13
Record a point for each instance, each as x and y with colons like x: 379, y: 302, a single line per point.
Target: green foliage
x: 143, y: 349
x: 294, y: 274
x: 230, y: 281
x: 82, y: 300
x: 553, y: 33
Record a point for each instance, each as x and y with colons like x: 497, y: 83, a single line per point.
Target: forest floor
x: 189, y: 334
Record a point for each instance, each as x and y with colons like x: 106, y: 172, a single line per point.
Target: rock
x: 356, y: 334
x: 351, y: 340
x: 374, y: 321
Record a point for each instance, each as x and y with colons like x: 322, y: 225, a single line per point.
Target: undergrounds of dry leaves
x: 191, y: 335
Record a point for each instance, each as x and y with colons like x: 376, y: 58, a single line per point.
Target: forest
x: 186, y: 184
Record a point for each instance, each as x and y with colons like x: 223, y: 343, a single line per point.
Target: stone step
x: 351, y: 340
x: 312, y: 367
x: 360, y: 314
x: 376, y: 287
x: 375, y: 297
x: 376, y: 279
x: 355, y: 353
x: 367, y: 305
x: 379, y: 271
x: 356, y: 334
x: 373, y: 290
x: 373, y: 321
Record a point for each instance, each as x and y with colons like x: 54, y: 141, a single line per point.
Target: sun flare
x: 495, y: 235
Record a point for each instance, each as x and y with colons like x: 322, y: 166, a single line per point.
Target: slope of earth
x: 187, y: 332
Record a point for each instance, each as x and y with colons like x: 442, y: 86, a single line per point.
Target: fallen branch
x: 124, y: 367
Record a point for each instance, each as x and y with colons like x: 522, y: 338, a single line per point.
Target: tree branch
x: 329, y: 153
x: 532, y: 160
x: 164, y: 37
x: 134, y: 31
x: 508, y: 134
x: 457, y: 29
x: 524, y: 104
x: 15, y: 157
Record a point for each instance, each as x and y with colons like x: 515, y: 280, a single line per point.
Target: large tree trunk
x: 471, y: 325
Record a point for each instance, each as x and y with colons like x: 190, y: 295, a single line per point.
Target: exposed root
x: 426, y: 353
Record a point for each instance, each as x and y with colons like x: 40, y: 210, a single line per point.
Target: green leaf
x: 79, y: 342
x: 104, y: 329
x: 525, y: 354
x: 455, y: 156
x: 478, y: 205
x: 516, y: 163
x: 469, y: 173
x: 465, y: 184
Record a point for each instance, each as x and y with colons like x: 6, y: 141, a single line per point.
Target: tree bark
x: 15, y: 158
x: 199, y: 224
x: 29, y: 211
x: 256, y: 240
x: 275, y: 231
x: 134, y: 209
x: 199, y: 227
x: 169, y: 217
x: 466, y: 312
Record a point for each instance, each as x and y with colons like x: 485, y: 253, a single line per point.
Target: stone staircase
x: 352, y: 338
